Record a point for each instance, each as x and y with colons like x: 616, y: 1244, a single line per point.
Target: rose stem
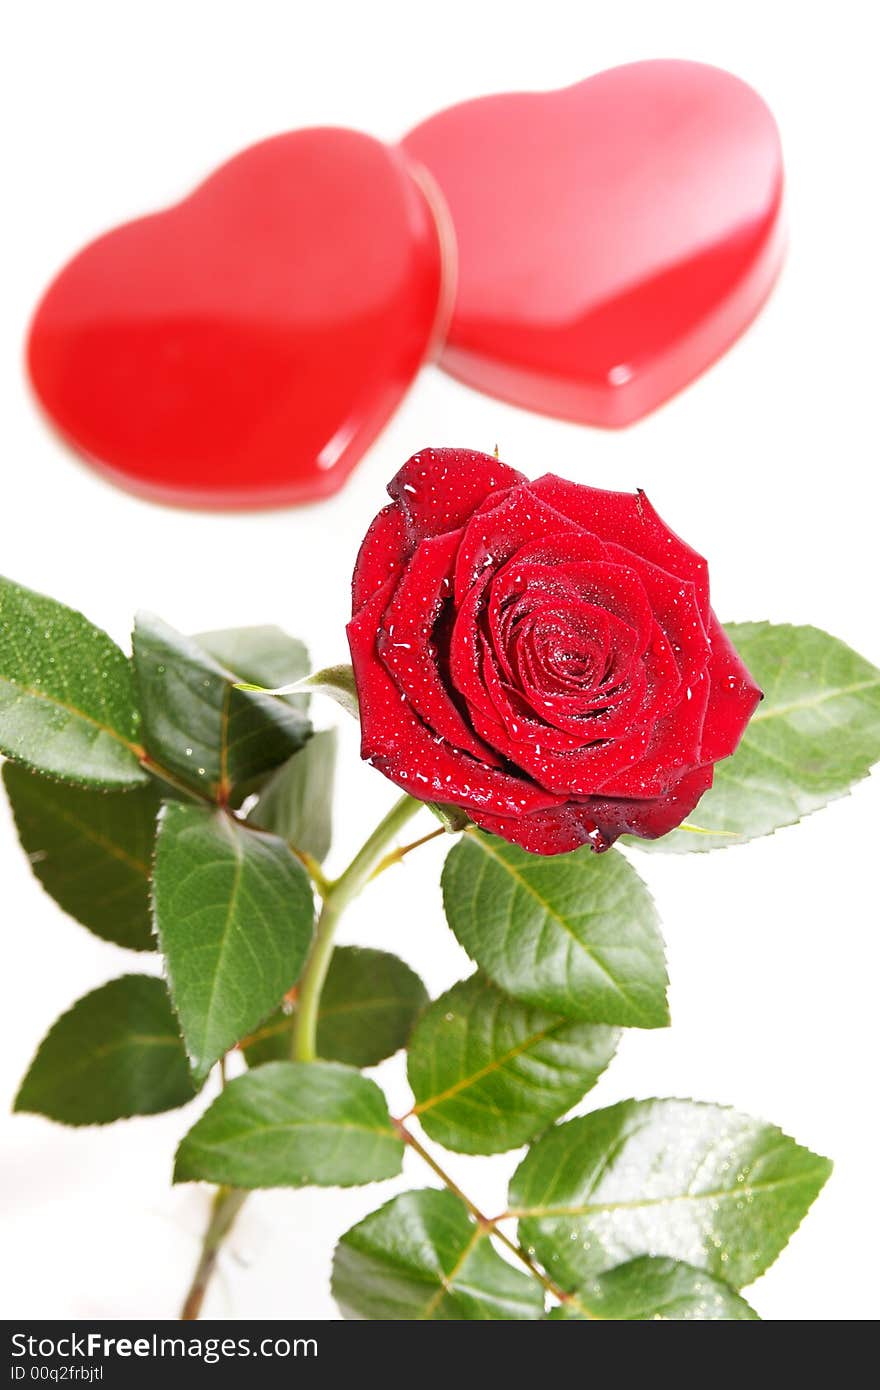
x: 336, y: 897
x: 228, y: 1202
x: 488, y: 1223
x: 395, y: 856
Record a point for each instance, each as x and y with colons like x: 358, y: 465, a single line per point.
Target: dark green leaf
x: 698, y: 1183
x: 234, y: 914
x: 574, y: 933
x: 214, y: 737
x: 368, y: 1006
x: 816, y: 733
x: 656, y: 1290
x: 422, y: 1257
x: 91, y: 851
x: 263, y: 655
x: 67, y: 702
x: 118, y: 1052
x: 289, y: 1124
x: 297, y: 801
x: 489, y: 1073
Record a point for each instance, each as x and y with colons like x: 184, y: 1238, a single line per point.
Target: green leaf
x: 576, y: 933
x: 336, y: 681
x: 211, y: 735
x: 422, y: 1257
x: 698, y: 1183
x: 91, y: 851
x: 265, y: 655
x: 368, y: 1006
x: 297, y: 801
x: 489, y: 1073
x: 118, y: 1052
x: 234, y: 913
x: 816, y: 732
x: 67, y: 702
x: 289, y: 1124
x: 656, y: 1290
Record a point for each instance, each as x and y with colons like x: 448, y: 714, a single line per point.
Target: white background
x: 768, y: 465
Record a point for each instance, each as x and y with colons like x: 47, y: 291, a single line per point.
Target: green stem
x: 171, y: 779
x: 228, y: 1202
x: 337, y: 897
x: 410, y: 1139
x: 486, y: 1223
x: 397, y: 856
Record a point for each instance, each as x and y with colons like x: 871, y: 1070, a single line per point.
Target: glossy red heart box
x: 244, y: 347
x: 613, y: 238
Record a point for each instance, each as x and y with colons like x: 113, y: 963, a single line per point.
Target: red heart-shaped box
x: 244, y: 347
x: 613, y: 237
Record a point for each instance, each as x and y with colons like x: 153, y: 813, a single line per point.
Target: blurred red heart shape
x: 613, y: 238
x: 244, y: 347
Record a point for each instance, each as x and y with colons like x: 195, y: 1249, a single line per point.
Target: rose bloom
x: 541, y: 654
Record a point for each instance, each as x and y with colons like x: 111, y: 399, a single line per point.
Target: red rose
x: 541, y: 654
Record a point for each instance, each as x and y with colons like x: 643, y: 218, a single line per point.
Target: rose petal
x: 615, y: 588
x: 497, y: 532
x: 382, y: 554
x: 397, y: 742
x: 580, y: 770
x: 517, y: 718
x: 630, y: 520
x: 599, y: 822
x: 405, y: 642
x: 673, y: 749
x: 439, y: 489
x: 553, y: 635
x: 675, y: 602
x: 596, y: 713
x: 556, y: 831
x: 733, y: 697
x: 566, y: 655
x: 656, y: 816
x: 465, y: 652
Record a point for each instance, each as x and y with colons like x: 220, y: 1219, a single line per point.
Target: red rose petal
x: 676, y: 600
x: 404, y: 642
x: 674, y: 747
x: 494, y: 534
x: 615, y: 587
x: 580, y: 769
x: 382, y: 554
x: 594, y: 713
x: 652, y: 818
x: 629, y: 520
x: 599, y: 822
x: 733, y: 697
x: 439, y: 489
x: 397, y: 742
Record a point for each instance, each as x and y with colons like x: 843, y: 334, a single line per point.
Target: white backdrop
x: 768, y: 465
